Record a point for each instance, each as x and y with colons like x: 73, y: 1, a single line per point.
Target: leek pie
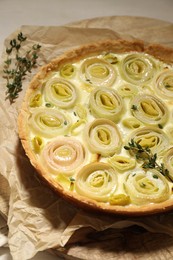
x: 83, y: 111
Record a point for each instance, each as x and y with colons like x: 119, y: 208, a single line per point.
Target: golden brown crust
x: 118, y: 46
x: 160, y: 52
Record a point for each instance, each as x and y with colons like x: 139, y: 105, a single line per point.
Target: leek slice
x: 168, y: 161
x: 97, y: 72
x: 145, y: 187
x: 151, y: 137
x: 35, y: 100
x: 64, y: 155
x: 164, y: 84
x: 106, y: 103
x: 81, y: 111
x: 119, y: 199
x: 48, y: 122
x: 67, y: 71
x: 169, y: 131
x: 96, y: 181
x: 110, y: 57
x: 149, y: 110
x: 102, y: 136
x: 76, y: 127
x: 137, y: 68
x: 37, y: 143
x: 60, y: 92
x: 131, y: 123
x: 127, y: 90
x: 122, y: 163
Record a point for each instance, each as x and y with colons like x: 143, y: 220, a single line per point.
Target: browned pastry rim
x: 162, y: 53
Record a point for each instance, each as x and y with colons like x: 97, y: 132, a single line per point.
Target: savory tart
x: 97, y: 124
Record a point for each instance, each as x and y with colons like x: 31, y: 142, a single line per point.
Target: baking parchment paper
x: 37, y: 218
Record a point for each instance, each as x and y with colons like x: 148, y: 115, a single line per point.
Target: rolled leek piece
x: 122, y: 163
x: 106, y: 103
x: 119, y: 199
x: 48, y: 122
x: 150, y: 110
x: 64, y: 155
x: 67, y: 71
x: 169, y: 132
x: 60, y: 92
x: 131, y: 123
x: 110, y: 57
x: 127, y: 90
x: 145, y: 187
x: 168, y: 161
x: 35, y: 100
x: 164, y: 84
x: 96, y: 181
x: 81, y: 111
x: 37, y: 144
x: 137, y: 68
x: 152, y: 138
x: 77, y: 127
x: 102, y: 136
x: 97, y: 72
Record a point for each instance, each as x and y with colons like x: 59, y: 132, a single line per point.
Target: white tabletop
x: 14, y: 13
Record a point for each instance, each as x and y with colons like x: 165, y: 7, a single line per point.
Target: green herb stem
x: 16, y: 69
x: 149, y: 159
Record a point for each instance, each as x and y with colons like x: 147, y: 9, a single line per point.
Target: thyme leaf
x: 145, y: 155
x: 72, y: 179
x: 134, y: 107
x: 17, y: 66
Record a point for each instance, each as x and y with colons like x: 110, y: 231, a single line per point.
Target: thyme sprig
x: 17, y: 65
x: 149, y: 159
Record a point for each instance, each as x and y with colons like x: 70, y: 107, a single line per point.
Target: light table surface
x: 14, y: 13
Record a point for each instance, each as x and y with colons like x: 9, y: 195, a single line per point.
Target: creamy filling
x: 79, y: 119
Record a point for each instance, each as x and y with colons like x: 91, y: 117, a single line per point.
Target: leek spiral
x: 106, y: 103
x: 64, y: 155
x: 151, y: 137
x: 96, y: 181
x: 60, y: 92
x: 137, y: 68
x: 48, y: 122
x: 102, y: 136
x: 149, y: 110
x: 97, y: 72
x: 145, y: 187
x: 164, y: 84
x: 168, y: 161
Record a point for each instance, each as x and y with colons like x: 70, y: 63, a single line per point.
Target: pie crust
x: 82, y: 108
